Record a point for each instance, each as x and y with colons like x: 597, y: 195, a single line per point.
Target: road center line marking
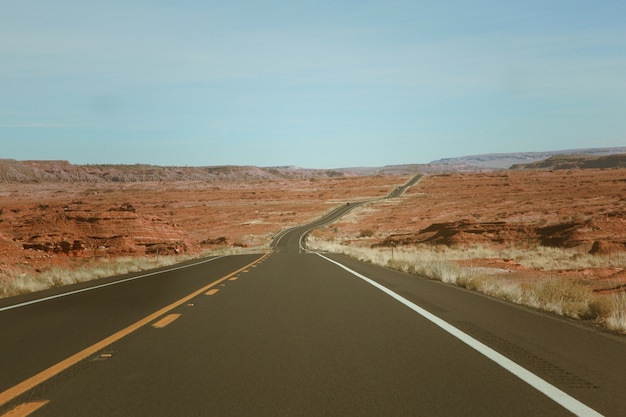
x: 549, y: 390
x: 25, y: 409
x: 46, y: 374
x: 165, y: 321
x: 212, y: 292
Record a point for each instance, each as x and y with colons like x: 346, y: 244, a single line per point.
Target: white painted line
x: 52, y: 297
x: 282, y: 234
x: 552, y: 392
x: 300, y: 240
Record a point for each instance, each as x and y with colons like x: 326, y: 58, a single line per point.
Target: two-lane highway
x: 41, y: 331
x: 295, y: 336
x: 294, y: 239
x: 301, y: 334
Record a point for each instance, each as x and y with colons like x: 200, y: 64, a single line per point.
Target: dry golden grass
x: 23, y: 283
x: 562, y: 296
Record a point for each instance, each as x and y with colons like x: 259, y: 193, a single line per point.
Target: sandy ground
x: 579, y: 211
x: 62, y: 224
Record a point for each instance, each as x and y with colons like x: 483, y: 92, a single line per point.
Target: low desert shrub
x: 616, y: 320
x: 505, y: 289
x: 561, y: 296
x: 600, y: 309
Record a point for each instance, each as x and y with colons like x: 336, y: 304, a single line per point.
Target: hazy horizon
x: 510, y: 155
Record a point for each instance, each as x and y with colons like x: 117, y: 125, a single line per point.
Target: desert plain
x: 500, y: 223
x: 51, y: 225
x: 577, y: 212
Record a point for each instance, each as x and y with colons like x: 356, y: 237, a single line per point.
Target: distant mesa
x: 577, y: 162
x: 517, y: 160
x: 62, y: 171
x: 12, y: 171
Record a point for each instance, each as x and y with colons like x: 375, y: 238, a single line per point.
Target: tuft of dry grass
x: 561, y: 296
x: 616, y: 319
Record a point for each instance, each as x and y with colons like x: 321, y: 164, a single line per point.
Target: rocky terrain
x: 50, y: 223
x: 577, y: 211
x: 53, y: 213
x: 570, y: 209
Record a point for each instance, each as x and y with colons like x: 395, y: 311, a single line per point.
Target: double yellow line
x: 21, y: 388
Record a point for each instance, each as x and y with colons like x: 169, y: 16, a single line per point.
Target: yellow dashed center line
x: 165, y: 321
x: 212, y: 292
x: 25, y: 409
x: 233, y: 279
x: 46, y: 374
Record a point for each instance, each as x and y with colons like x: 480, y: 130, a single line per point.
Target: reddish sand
x: 47, y: 224
x: 578, y: 210
x: 53, y: 223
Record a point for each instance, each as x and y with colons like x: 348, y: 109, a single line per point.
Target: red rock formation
x: 49, y: 223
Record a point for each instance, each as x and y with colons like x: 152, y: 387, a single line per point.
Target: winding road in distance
x: 296, y: 333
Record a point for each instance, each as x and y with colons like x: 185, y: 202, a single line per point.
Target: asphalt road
x: 293, y: 333
x: 294, y: 239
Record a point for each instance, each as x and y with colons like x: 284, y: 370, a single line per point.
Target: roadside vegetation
x: 13, y: 282
x: 565, y: 296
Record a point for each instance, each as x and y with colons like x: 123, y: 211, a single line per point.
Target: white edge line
x: 302, y: 248
x: 317, y: 226
x: 65, y: 294
x: 552, y: 392
x: 282, y: 234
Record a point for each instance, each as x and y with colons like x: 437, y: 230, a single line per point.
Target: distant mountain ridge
x: 63, y: 171
x: 577, y: 162
x: 13, y: 171
x: 507, y: 160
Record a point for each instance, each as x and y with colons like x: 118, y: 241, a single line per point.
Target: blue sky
x: 318, y: 84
